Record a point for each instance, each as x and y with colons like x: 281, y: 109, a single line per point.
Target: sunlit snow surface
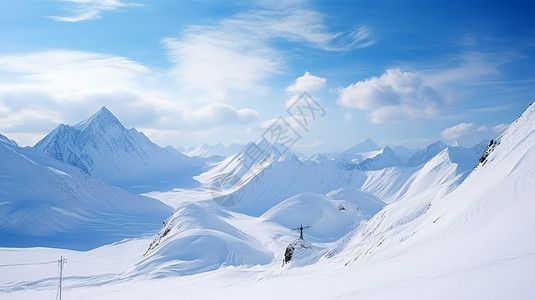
x: 444, y: 235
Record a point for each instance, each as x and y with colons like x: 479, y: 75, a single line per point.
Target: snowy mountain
x: 367, y: 156
x: 254, y: 186
x: 219, y: 149
x: 484, y: 221
x: 453, y: 232
x: 403, y: 153
x: 5, y: 140
x: 102, y: 147
x: 424, y: 155
x: 384, y: 158
x: 44, y: 202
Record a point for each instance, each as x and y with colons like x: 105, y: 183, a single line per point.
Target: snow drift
x: 194, y: 240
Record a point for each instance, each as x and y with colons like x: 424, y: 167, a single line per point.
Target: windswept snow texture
x: 102, y: 147
x: 44, y: 202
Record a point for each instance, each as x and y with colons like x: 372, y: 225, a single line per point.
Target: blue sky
x: 189, y: 72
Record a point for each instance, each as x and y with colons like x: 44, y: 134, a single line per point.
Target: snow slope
x: 330, y: 216
x: 194, y: 239
x: 102, y: 147
x: 486, y: 220
x: 44, y: 202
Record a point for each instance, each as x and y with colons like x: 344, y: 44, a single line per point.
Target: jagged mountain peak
x: 423, y: 156
x: 104, y: 148
x: 103, y: 117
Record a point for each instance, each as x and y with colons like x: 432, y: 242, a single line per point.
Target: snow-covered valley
x: 433, y: 223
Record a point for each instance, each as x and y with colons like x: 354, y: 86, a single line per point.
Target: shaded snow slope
x: 194, y: 240
x: 44, y: 202
x: 102, y: 147
x: 386, y: 183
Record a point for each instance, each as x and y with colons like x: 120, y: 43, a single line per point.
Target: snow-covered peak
x: 101, y: 146
x: 423, y: 156
x: 383, y: 158
x: 103, y: 118
x: 4, y: 139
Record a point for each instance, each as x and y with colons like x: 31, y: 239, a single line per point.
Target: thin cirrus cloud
x: 305, y: 83
x: 84, y: 10
x: 395, y: 96
x: 237, y: 53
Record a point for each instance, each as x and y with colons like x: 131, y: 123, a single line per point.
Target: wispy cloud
x: 395, y: 96
x: 468, y: 68
x: 492, y: 108
x: 239, y: 52
x: 90, y: 9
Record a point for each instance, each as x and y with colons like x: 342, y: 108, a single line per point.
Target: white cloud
x: 396, y: 96
x: 40, y: 90
x: 211, y: 62
x: 90, y: 9
x: 71, y: 75
x: 306, y: 83
x: 237, y: 53
x: 471, y: 133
